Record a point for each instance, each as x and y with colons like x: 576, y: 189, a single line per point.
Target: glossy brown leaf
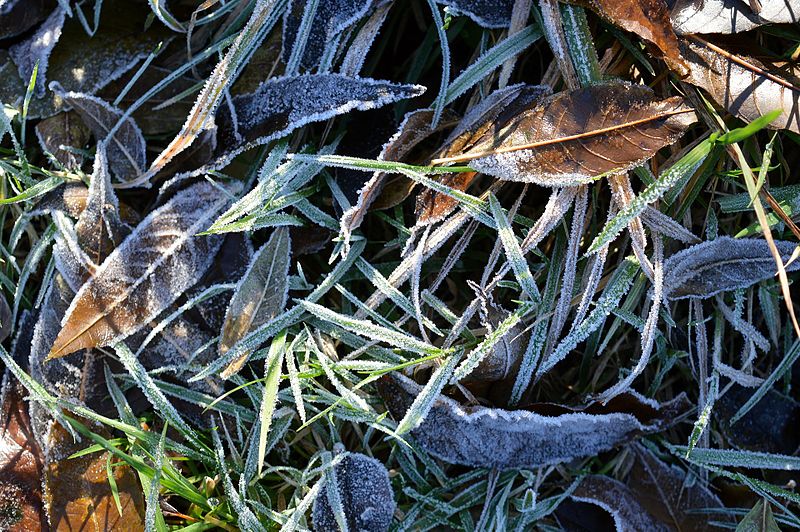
x: 64, y: 129
x: 730, y: 16
x: 79, y: 496
x: 744, y: 86
x: 544, y: 434
x: 21, y: 463
x: 649, y: 19
x: 576, y: 136
x: 160, y: 259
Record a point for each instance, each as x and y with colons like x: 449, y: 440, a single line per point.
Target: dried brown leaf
x: 575, y: 136
x: 649, y: 19
x: 744, y: 86
x: 64, y: 129
x: 78, y: 494
x: 160, y: 259
x: 21, y: 463
x: 544, y: 434
x: 18, y: 16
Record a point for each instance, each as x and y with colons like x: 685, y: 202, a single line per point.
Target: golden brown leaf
x: 79, y: 496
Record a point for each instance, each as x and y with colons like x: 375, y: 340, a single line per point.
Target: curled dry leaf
x: 21, y: 463
x: 366, y: 495
x: 77, y: 492
x: 160, y: 259
x: 486, y: 13
x: 260, y: 295
x: 721, y: 265
x: 499, y: 107
x: 730, y: 16
x: 744, y: 86
x: 649, y: 19
x: 576, y: 136
x: 64, y: 129
x: 126, y: 148
x: 547, y: 434
x: 330, y: 19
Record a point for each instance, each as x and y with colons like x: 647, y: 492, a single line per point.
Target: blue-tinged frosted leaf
x: 721, y: 265
x: 365, y: 493
x: 730, y: 16
x: 18, y: 16
x: 512, y: 439
x: 618, y: 500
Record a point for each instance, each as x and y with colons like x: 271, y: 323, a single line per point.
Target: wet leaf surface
x: 547, y: 434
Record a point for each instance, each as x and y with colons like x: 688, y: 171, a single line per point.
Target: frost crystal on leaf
x: 491, y: 437
x: 36, y: 50
x: 366, y: 496
x: 487, y: 13
x: 722, y: 265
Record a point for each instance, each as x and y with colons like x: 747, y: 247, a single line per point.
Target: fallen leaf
x: 126, y: 148
x: 663, y: 491
x: 615, y: 498
x: 522, y: 439
x: 21, y: 463
x: 77, y: 491
x: 259, y: 296
x: 160, y: 259
x: 99, y: 229
x: 722, y: 265
x: 363, y: 487
x: 485, y: 13
x: 18, y: 16
x: 71, y: 197
x: 744, y: 86
x: 5, y: 319
x: 649, y: 19
x: 730, y: 16
x: 769, y: 426
x: 759, y: 519
x: 480, y: 123
x: 64, y: 129
x: 34, y: 52
x: 331, y: 18
x: 576, y: 136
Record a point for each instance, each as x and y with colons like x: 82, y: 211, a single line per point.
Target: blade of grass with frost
x: 368, y: 165
x: 780, y: 370
x: 31, y: 262
x: 490, y: 60
x: 302, y: 507
x: 475, y: 356
x: 260, y: 295
x: 245, y: 517
x: 609, y: 301
x: 579, y: 43
x: 294, y: 383
x: 687, y: 166
x: 260, y: 335
x: 145, y: 383
x: 162, y: 13
x: 705, y: 415
x: 317, y: 216
x: 332, y: 492
x: 397, y: 297
x: 370, y: 330
x: 424, y: 401
x: 269, y: 397
x: 301, y: 40
x: 440, y: 101
x: 152, y: 504
x: 765, y: 160
x: 265, y: 15
x: 204, y: 401
x: 739, y: 458
x: 514, y: 251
